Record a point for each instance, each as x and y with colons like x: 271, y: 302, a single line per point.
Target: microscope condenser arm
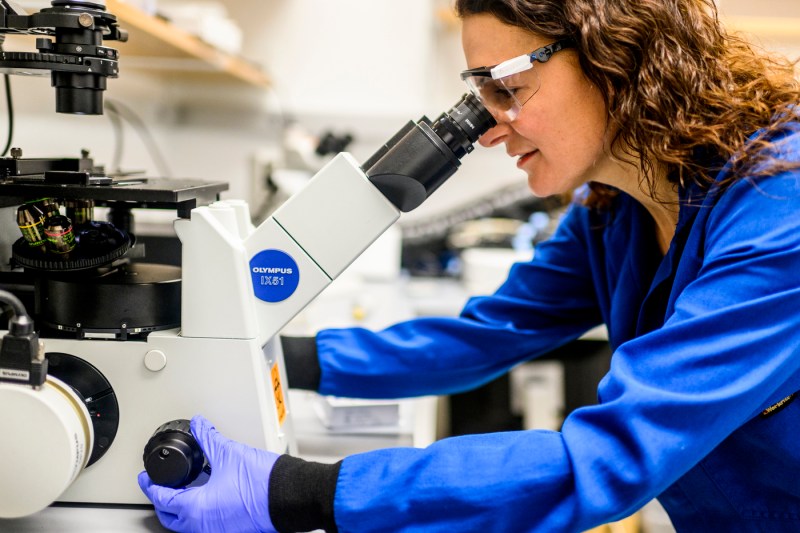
x: 245, y: 282
x: 69, y: 41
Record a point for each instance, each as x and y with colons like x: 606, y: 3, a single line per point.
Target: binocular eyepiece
x: 423, y: 155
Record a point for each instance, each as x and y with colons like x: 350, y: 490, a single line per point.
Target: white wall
x: 352, y: 57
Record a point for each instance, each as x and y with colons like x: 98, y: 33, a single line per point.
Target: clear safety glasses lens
x: 506, y: 87
x: 503, y: 96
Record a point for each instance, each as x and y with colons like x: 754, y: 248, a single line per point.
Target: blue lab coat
x: 706, y: 345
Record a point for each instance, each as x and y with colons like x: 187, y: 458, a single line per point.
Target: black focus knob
x: 172, y: 457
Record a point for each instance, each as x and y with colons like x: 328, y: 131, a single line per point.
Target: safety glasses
x: 505, y: 88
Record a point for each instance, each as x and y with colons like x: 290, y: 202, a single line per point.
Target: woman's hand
x: 235, y: 498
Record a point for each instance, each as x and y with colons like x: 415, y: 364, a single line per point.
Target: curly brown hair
x: 676, y: 84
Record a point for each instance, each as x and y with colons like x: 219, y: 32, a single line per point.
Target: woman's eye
x: 501, y: 95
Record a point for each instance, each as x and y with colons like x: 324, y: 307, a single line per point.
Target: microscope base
x: 230, y: 381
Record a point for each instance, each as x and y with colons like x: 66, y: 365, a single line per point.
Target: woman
x: 687, y: 248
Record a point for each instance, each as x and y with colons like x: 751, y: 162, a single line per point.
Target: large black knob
x: 172, y: 457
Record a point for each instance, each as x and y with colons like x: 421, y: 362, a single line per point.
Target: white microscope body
x: 240, y: 286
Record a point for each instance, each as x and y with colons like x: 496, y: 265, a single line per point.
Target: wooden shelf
x: 777, y: 28
x: 156, y: 44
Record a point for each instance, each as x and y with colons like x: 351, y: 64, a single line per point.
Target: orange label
x: 277, y: 390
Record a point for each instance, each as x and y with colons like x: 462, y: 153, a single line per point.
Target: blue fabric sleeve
x: 543, y: 304
x: 728, y: 351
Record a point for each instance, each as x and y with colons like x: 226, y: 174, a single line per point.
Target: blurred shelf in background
x: 155, y: 44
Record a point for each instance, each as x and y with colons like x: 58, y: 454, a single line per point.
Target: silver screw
x: 86, y: 20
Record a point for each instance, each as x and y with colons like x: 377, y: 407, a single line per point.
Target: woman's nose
x: 494, y: 135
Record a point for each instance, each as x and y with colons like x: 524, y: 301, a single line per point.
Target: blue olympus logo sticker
x: 275, y: 275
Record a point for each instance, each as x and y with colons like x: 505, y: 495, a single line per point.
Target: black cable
x: 9, y: 106
x: 141, y: 129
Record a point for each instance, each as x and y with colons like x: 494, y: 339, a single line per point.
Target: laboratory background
x: 227, y: 110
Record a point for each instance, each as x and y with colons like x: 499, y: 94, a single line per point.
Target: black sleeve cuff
x: 302, y: 364
x: 301, y: 495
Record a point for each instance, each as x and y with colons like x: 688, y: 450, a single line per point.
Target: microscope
x: 110, y: 352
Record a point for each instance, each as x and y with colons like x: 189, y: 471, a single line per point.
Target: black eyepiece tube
x: 420, y: 157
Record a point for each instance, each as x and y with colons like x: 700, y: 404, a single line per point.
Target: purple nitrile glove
x: 235, y: 498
